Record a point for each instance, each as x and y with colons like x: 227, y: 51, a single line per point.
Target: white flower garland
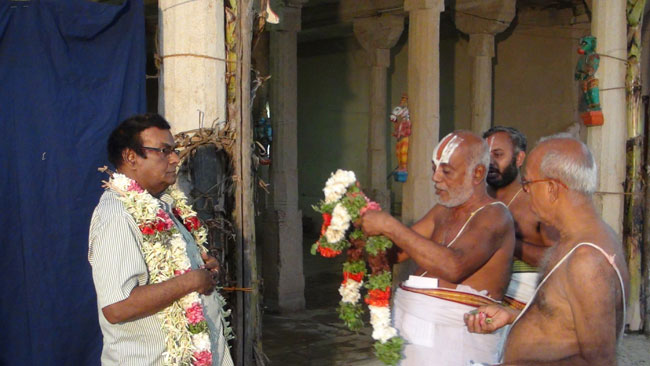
x: 187, y: 339
x: 339, y: 224
x: 389, y: 345
x: 350, y: 291
x: 380, y: 320
x: 337, y: 185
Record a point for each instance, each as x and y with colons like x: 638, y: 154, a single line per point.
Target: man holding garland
x: 463, y: 247
x: 153, y: 277
x: 507, y: 154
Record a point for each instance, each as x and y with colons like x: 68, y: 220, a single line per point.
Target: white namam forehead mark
x: 445, y: 149
x: 491, y: 141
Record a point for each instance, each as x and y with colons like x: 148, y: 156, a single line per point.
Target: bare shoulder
x: 494, y: 225
x: 589, y: 267
x: 495, y: 217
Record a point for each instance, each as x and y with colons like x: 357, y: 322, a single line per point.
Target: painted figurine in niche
x: 585, y: 70
x: 402, y: 130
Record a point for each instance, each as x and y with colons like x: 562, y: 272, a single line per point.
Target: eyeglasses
x: 525, y: 184
x: 165, y: 150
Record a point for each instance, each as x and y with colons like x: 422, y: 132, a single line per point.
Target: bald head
x: 568, y: 160
x: 465, y: 143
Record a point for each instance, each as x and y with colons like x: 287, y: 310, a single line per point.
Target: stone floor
x: 316, y: 337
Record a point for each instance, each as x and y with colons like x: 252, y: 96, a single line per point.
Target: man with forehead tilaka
x: 463, y: 248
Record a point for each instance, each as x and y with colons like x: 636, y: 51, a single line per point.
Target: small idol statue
x: 402, y: 130
x: 585, y: 69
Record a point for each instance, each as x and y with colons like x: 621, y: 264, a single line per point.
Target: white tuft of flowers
x: 201, y: 341
x: 380, y: 320
x: 121, y: 181
x: 337, y: 185
x: 339, y: 225
x: 349, y: 291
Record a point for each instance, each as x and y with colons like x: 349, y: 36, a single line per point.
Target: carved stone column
x: 482, y: 21
x: 424, y: 104
x: 282, y: 243
x: 377, y: 35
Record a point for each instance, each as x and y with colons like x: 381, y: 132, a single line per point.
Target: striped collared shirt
x: 118, y: 266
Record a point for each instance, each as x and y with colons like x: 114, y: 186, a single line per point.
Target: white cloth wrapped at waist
x: 435, y: 331
x: 522, y: 286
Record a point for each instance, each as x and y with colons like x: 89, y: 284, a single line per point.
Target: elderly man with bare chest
x: 463, y: 248
x: 507, y: 154
x: 578, y: 311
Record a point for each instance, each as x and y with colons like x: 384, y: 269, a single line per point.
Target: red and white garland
x: 187, y: 338
x: 343, y: 204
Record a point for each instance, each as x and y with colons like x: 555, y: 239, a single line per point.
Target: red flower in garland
x: 192, y: 223
x: 147, y: 229
x: 353, y: 276
x: 378, y: 297
x: 328, y: 252
x: 177, y: 213
x: 160, y: 226
x: 327, y: 219
x: 179, y: 272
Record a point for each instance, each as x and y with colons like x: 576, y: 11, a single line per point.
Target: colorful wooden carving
x: 402, y: 130
x: 585, y: 70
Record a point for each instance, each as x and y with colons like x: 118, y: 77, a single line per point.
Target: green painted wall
x: 332, y: 121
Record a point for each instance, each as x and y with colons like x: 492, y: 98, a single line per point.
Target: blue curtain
x: 70, y: 71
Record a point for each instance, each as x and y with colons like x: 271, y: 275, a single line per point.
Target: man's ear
x: 521, y: 156
x: 479, y: 173
x: 128, y: 157
x: 553, y: 190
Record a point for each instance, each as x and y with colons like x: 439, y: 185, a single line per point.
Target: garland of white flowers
x: 343, y: 203
x: 187, y: 338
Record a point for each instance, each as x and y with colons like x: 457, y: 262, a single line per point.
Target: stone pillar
x: 481, y: 50
x: 377, y: 35
x: 282, y: 268
x: 607, y: 142
x: 482, y: 21
x: 192, y: 77
x: 424, y: 104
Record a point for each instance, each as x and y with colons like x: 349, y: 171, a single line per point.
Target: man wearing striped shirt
x: 142, y: 148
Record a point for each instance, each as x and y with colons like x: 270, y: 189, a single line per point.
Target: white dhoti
x: 522, y: 286
x: 435, y: 332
